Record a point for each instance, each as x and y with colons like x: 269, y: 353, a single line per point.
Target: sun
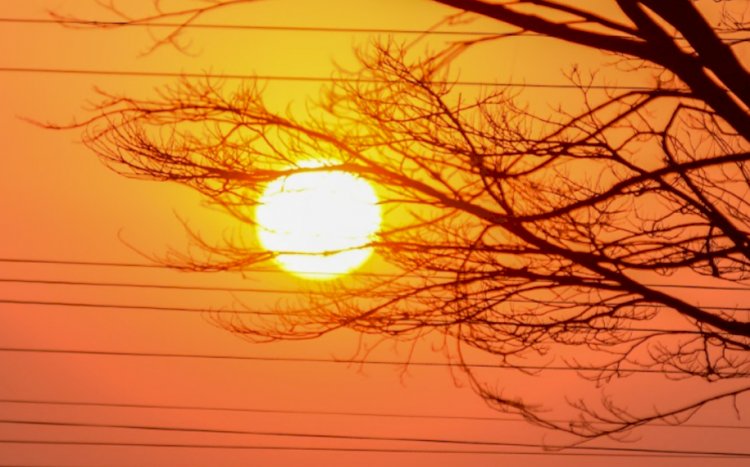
x: 319, y: 222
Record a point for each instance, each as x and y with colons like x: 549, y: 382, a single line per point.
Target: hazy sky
x: 58, y: 202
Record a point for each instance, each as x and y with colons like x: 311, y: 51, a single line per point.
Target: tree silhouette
x: 535, y: 237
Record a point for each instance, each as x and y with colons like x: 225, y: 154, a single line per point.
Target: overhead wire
x: 133, y: 307
x: 345, y: 361
x: 216, y: 311
x: 123, y: 264
x: 339, y: 413
x: 302, y: 78
x: 356, y: 437
x: 111, y: 24
x: 251, y: 27
x: 266, y: 290
x: 246, y: 311
x: 136, y: 285
x: 207, y: 288
x: 353, y: 449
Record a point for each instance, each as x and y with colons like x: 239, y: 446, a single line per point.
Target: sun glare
x: 318, y: 222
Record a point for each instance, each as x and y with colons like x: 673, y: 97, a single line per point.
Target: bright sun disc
x: 317, y: 215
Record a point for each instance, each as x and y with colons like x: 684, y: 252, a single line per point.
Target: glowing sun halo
x: 317, y: 221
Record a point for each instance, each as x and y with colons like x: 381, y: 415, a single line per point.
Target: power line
x: 356, y: 449
x: 331, y: 413
x: 105, y: 24
x: 489, y: 322
x: 116, y: 264
x: 135, y: 307
x: 203, y: 288
x: 315, y: 79
x: 352, y: 437
x: 135, y: 285
x: 160, y: 266
x: 254, y: 27
x: 347, y: 361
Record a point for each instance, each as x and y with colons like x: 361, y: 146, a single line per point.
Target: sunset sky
x: 60, y: 205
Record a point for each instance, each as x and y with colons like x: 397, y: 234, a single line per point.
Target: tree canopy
x: 534, y: 236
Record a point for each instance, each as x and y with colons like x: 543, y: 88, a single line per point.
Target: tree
x: 517, y: 233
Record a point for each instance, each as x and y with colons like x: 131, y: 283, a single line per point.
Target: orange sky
x: 57, y: 201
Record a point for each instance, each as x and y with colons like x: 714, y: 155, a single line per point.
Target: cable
x: 583, y: 326
x: 262, y: 27
x: 333, y: 413
x: 116, y: 264
x: 316, y: 79
x: 257, y: 27
x: 349, y: 437
x: 348, y: 361
x: 284, y: 291
x: 134, y: 285
x: 138, y: 307
x: 343, y: 449
x: 160, y: 266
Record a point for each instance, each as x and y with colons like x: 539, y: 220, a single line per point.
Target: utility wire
x: 116, y: 264
x: 253, y: 27
x: 572, y: 326
x: 160, y: 266
x: 315, y: 79
x: 351, y: 437
x: 331, y: 413
x: 107, y: 24
x: 202, y: 288
x: 139, y: 307
x: 354, y: 449
x: 134, y: 285
x: 347, y: 361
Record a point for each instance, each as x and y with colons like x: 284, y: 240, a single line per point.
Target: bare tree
x: 523, y: 234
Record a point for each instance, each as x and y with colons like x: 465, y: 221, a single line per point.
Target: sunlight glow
x: 317, y: 215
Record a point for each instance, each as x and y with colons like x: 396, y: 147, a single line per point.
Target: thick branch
x: 713, y: 52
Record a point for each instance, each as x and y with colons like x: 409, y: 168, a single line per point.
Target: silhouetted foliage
x: 527, y: 235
